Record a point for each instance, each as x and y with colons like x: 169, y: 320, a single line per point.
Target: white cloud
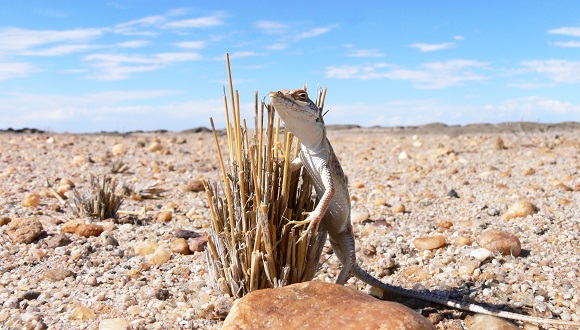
x: 15, y: 69
x: 432, y: 47
x: 145, y: 21
x: 365, y: 53
x: 431, y: 75
x: 458, y: 38
x: 567, y: 44
x: 17, y: 40
x: 61, y: 50
x: 560, y: 71
x: 314, y: 32
x: 271, y: 27
x: 109, y: 111
x: 118, y: 67
x: 277, y: 46
x: 190, y: 44
x: 133, y: 44
x: 200, y: 22
x: 530, y: 85
x: 568, y: 31
x: 533, y: 108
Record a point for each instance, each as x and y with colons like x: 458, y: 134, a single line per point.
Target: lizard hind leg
x: 344, y: 250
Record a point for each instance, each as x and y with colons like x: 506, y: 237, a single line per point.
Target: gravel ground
x: 91, y: 281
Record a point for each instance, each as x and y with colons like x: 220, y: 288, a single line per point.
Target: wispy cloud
x: 200, y: 22
x: 533, y: 107
x: 118, y: 67
x: 560, y: 71
x: 190, y: 44
x: 567, y: 44
x: 15, y: 69
x: 432, y: 47
x: 567, y: 31
x: 101, y: 111
x: 314, y: 32
x: 364, y: 53
x: 431, y: 75
x: 14, y: 40
x: 271, y: 27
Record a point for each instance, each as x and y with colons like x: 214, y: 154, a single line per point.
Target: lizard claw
x: 312, y: 220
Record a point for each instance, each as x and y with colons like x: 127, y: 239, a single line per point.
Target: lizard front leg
x: 319, y: 211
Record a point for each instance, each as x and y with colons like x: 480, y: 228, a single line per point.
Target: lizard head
x: 300, y: 115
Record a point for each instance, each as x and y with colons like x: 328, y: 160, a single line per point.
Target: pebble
x: 180, y: 246
x: 379, y: 201
x: 119, y: 149
x: 399, y: 208
x: 31, y: 200
x: 468, y: 267
x: 502, y: 242
x: 24, y: 230
x: 359, y: 216
x: 30, y: 295
x: 194, y: 186
x: 108, y: 239
x: 146, y: 248
x: 58, y: 240
x: 429, y: 243
x: 89, y: 229
x: 519, y: 209
x: 499, y: 144
x: 529, y: 171
x: 481, y: 254
x: 561, y: 187
x: 462, y: 241
x: 453, y: 194
x: 164, y: 216
x: 114, y: 324
x: 486, y: 322
x: 155, y: 146
x: 4, y: 221
x: 184, y: 233
x: 160, y: 256
x: 83, y: 313
x: 57, y: 274
x: 197, y: 244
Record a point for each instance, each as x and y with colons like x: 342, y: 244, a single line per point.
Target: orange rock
x: 320, y: 305
x: 500, y: 242
x: 89, y: 229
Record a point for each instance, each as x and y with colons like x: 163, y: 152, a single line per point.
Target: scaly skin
x: 304, y: 119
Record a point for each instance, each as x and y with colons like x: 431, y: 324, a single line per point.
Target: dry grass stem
x: 100, y: 200
x: 251, y: 244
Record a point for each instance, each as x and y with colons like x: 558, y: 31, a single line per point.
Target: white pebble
x: 481, y: 254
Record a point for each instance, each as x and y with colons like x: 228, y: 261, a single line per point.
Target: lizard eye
x: 302, y: 95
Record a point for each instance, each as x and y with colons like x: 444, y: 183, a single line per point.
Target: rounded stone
x: 502, y: 242
x: 160, y: 256
x: 320, y: 305
x: 179, y: 246
x: 429, y: 243
x: 520, y: 209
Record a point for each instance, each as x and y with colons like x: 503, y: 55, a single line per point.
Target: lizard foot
x: 312, y: 220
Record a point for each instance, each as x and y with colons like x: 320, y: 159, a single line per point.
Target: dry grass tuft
x: 100, y: 200
x: 251, y: 245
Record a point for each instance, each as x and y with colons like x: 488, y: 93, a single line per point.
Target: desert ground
x: 405, y: 183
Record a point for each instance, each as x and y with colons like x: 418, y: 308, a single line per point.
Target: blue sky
x: 121, y: 65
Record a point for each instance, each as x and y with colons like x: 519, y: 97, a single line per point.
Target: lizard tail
x: 462, y: 305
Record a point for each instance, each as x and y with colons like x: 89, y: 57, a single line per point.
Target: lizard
x: 304, y: 119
